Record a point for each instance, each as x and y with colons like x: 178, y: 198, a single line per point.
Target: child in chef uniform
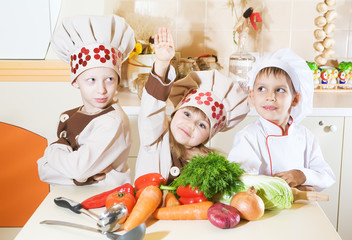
x: 205, y: 103
x: 94, y: 139
x: 281, y: 90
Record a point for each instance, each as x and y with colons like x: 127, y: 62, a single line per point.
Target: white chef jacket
x: 261, y: 148
x: 105, y: 141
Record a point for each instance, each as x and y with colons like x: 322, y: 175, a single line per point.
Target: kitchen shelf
x: 333, y: 88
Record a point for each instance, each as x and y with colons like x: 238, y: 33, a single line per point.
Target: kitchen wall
x: 205, y: 26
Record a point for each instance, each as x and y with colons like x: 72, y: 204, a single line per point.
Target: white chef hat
x: 221, y: 99
x: 93, y: 41
x: 299, y: 72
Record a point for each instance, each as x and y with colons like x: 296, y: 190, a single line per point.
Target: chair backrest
x: 21, y: 189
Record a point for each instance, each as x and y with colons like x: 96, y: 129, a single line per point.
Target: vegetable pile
x: 204, y: 181
x: 212, y: 174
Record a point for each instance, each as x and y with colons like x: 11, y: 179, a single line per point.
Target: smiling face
x: 273, y: 97
x: 190, y: 127
x: 98, y: 87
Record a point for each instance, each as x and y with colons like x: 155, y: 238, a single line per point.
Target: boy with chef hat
x: 94, y: 139
x: 281, y: 90
x: 206, y: 102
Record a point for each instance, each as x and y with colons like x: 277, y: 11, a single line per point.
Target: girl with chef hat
x: 206, y: 102
x: 281, y: 90
x: 94, y: 139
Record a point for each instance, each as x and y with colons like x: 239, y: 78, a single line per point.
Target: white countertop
x: 324, y: 103
x: 302, y: 221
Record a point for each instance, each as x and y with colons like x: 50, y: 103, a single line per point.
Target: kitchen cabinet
x: 345, y: 208
x: 328, y: 130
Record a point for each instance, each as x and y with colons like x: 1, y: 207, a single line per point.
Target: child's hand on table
x: 95, y: 178
x: 293, y: 177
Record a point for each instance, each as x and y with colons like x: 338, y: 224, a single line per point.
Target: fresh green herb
x: 212, y: 174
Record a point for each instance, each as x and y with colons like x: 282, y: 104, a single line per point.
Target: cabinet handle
x: 332, y: 128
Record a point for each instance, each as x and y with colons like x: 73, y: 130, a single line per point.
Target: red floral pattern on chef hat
x: 87, y: 42
x: 95, y: 56
x: 221, y: 99
x: 209, y: 104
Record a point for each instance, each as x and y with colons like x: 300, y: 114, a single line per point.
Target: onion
x: 249, y: 204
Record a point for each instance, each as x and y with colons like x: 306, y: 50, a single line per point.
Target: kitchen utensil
x: 108, y: 221
x: 136, y: 233
x: 309, y: 195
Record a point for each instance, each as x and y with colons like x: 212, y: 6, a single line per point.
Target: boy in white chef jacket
x: 94, y: 139
x: 281, y: 90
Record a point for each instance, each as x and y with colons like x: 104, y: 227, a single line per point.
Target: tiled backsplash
x: 205, y: 26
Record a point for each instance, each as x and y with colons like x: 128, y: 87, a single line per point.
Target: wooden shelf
x: 34, y: 71
x: 333, y: 87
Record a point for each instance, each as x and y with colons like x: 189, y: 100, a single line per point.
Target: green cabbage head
x: 274, y: 191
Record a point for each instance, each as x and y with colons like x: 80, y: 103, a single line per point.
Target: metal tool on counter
x: 136, y: 233
x: 108, y: 221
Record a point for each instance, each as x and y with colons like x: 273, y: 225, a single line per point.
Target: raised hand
x: 164, y: 51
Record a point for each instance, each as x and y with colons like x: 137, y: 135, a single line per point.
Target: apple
x: 223, y: 216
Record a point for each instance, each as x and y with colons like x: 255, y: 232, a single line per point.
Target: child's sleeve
x: 318, y: 173
x: 152, y: 120
x: 245, y: 152
x: 104, y: 142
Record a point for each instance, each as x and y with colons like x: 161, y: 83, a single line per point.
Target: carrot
x: 146, y: 204
x: 171, y: 200
x: 194, y: 211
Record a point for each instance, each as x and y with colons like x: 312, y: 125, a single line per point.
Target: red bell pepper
x: 148, y: 179
x: 190, y: 195
x: 99, y: 200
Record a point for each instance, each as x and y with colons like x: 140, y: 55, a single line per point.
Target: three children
x: 94, y: 139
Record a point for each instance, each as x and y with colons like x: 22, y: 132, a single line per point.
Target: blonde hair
x: 178, y: 150
x: 275, y: 71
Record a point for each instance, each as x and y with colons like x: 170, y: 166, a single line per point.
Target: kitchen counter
x: 324, y: 103
x: 302, y: 221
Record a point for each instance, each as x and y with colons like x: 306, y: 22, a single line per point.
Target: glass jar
x: 241, y: 62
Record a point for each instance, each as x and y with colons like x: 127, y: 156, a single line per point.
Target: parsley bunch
x: 212, y: 174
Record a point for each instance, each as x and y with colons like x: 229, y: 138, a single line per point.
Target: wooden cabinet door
x: 345, y: 208
x: 329, y: 132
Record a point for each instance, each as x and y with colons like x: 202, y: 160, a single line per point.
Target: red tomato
x: 126, y: 198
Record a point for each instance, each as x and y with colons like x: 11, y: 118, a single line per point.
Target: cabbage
x: 274, y: 191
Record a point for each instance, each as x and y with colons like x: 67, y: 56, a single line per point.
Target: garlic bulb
x: 330, y: 3
x: 319, y: 34
x: 328, y: 53
x: 329, y: 28
x: 318, y: 46
x: 322, y: 7
x: 328, y: 42
x: 320, y: 60
x: 330, y: 15
x: 320, y: 21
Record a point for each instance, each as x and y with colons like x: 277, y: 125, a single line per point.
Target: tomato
x: 117, y: 197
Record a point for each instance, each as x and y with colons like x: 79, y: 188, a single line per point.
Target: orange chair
x: 20, y: 186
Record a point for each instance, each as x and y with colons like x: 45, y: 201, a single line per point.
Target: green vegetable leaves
x: 274, y: 191
x: 212, y: 174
